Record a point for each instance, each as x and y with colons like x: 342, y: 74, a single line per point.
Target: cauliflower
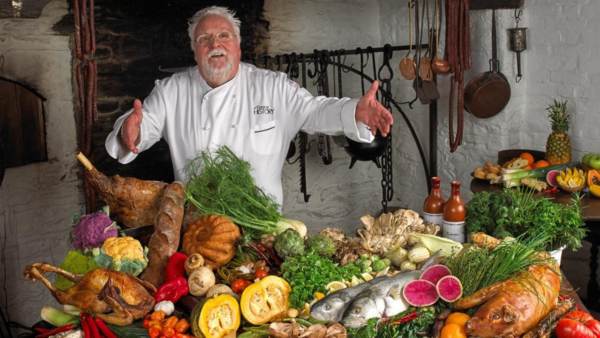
x: 92, y: 230
x: 124, y: 254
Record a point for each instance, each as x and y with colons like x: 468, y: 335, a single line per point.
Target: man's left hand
x: 370, y: 112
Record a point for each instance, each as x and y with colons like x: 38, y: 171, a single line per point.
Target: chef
x: 223, y: 101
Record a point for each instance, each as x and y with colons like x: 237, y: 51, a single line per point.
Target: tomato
x: 569, y: 328
x: 260, y: 274
x: 587, y: 320
x: 239, y: 285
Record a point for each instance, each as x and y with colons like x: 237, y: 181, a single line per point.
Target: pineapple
x: 558, y: 145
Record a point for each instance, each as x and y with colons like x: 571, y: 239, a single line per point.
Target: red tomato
x: 569, y: 328
x: 260, y: 274
x: 238, y: 286
x: 587, y: 320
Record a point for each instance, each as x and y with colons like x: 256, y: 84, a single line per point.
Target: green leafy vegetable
x: 513, y: 212
x: 322, y: 245
x: 310, y: 273
x: 406, y: 324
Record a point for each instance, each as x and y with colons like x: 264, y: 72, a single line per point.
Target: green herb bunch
x: 512, y: 213
x: 311, y: 273
x: 220, y: 183
x: 424, y: 318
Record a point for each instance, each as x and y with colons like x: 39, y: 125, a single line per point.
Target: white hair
x: 214, y: 10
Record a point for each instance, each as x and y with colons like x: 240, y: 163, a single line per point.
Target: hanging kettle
x: 367, y: 151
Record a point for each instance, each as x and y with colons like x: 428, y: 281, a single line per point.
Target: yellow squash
x: 266, y: 300
x: 216, y: 317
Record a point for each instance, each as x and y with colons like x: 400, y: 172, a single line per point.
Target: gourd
x: 265, y: 301
x: 214, y: 237
x: 215, y: 317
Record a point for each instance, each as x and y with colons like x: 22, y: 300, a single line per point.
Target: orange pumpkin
x: 214, y: 237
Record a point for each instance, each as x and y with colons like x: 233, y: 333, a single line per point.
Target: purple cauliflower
x: 91, y: 231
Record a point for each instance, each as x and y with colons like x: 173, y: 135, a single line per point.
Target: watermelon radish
x: 449, y: 288
x: 551, y: 178
x: 435, y: 273
x: 420, y: 293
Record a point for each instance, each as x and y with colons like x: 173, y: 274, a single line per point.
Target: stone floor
x: 576, y: 267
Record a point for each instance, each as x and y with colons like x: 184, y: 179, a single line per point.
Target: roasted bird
x: 114, y: 296
x: 514, y: 306
x: 135, y: 202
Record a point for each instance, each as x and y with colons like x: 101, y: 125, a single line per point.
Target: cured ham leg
x: 135, y: 202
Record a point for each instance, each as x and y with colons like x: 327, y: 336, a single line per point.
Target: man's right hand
x: 130, y: 130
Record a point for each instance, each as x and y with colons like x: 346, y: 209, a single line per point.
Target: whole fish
x: 332, y: 307
x: 383, y: 298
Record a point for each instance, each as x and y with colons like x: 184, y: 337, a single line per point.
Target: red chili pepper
x: 176, y: 266
x: 172, y: 290
x: 94, y: 333
x: 56, y: 331
x: 42, y: 330
x: 105, y: 330
x: 84, y: 326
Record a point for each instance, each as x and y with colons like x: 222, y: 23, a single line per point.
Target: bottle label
x: 454, y: 231
x: 433, y: 218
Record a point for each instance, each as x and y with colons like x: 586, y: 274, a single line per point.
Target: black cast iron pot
x: 367, y: 151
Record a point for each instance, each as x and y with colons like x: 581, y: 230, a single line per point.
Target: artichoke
x: 289, y: 244
x: 322, y: 245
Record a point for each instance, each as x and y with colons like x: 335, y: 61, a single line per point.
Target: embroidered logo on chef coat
x: 292, y: 83
x: 263, y: 110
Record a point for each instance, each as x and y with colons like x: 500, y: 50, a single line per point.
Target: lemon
x: 572, y: 183
x: 595, y: 190
x: 335, y: 285
x: 367, y: 276
x: 319, y: 295
x: 355, y: 281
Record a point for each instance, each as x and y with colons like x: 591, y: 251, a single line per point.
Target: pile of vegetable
x: 220, y: 183
x: 512, y: 213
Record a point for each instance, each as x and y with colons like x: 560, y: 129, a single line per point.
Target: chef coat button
x: 234, y: 126
x: 234, y: 96
x: 206, y: 128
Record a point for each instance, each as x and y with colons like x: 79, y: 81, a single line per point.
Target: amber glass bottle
x: 455, y: 211
x: 433, y: 207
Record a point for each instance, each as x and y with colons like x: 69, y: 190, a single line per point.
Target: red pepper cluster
x: 405, y: 319
x: 92, y: 326
x: 175, y: 285
x: 160, y: 327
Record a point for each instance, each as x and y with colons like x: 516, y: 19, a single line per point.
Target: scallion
x: 514, y: 176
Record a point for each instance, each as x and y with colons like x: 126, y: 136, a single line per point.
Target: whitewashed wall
x: 38, y: 200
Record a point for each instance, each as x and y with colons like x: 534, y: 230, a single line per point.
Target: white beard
x: 217, y: 75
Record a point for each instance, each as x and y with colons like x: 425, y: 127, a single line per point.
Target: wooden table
x: 591, y: 212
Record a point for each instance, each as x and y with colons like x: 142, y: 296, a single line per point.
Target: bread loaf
x: 167, y: 228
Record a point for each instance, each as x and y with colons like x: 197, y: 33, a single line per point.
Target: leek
x: 513, y: 177
x: 57, y: 317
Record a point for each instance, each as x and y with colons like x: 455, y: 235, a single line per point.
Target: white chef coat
x: 256, y: 114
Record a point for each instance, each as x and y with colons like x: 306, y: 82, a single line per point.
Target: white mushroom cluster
x: 391, y: 230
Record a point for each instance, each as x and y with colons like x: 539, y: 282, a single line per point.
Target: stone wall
x: 38, y: 200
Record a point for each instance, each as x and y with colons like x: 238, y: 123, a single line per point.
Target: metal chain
x: 387, y: 172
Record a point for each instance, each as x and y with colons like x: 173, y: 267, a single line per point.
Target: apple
x: 586, y: 159
x: 594, y: 161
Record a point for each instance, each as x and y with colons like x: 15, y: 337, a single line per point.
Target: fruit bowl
x: 570, y: 189
x: 586, y: 168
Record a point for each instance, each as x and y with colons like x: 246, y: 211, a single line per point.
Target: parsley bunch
x: 311, y: 273
x: 424, y: 318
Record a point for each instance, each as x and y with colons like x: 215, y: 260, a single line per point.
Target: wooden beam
x: 495, y: 4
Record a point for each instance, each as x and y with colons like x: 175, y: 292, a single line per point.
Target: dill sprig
x: 220, y: 183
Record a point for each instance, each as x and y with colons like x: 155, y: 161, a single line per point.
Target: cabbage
x: 322, y: 245
x: 289, y: 243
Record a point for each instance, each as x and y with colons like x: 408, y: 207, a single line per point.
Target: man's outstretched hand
x: 370, y: 112
x: 130, y: 130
